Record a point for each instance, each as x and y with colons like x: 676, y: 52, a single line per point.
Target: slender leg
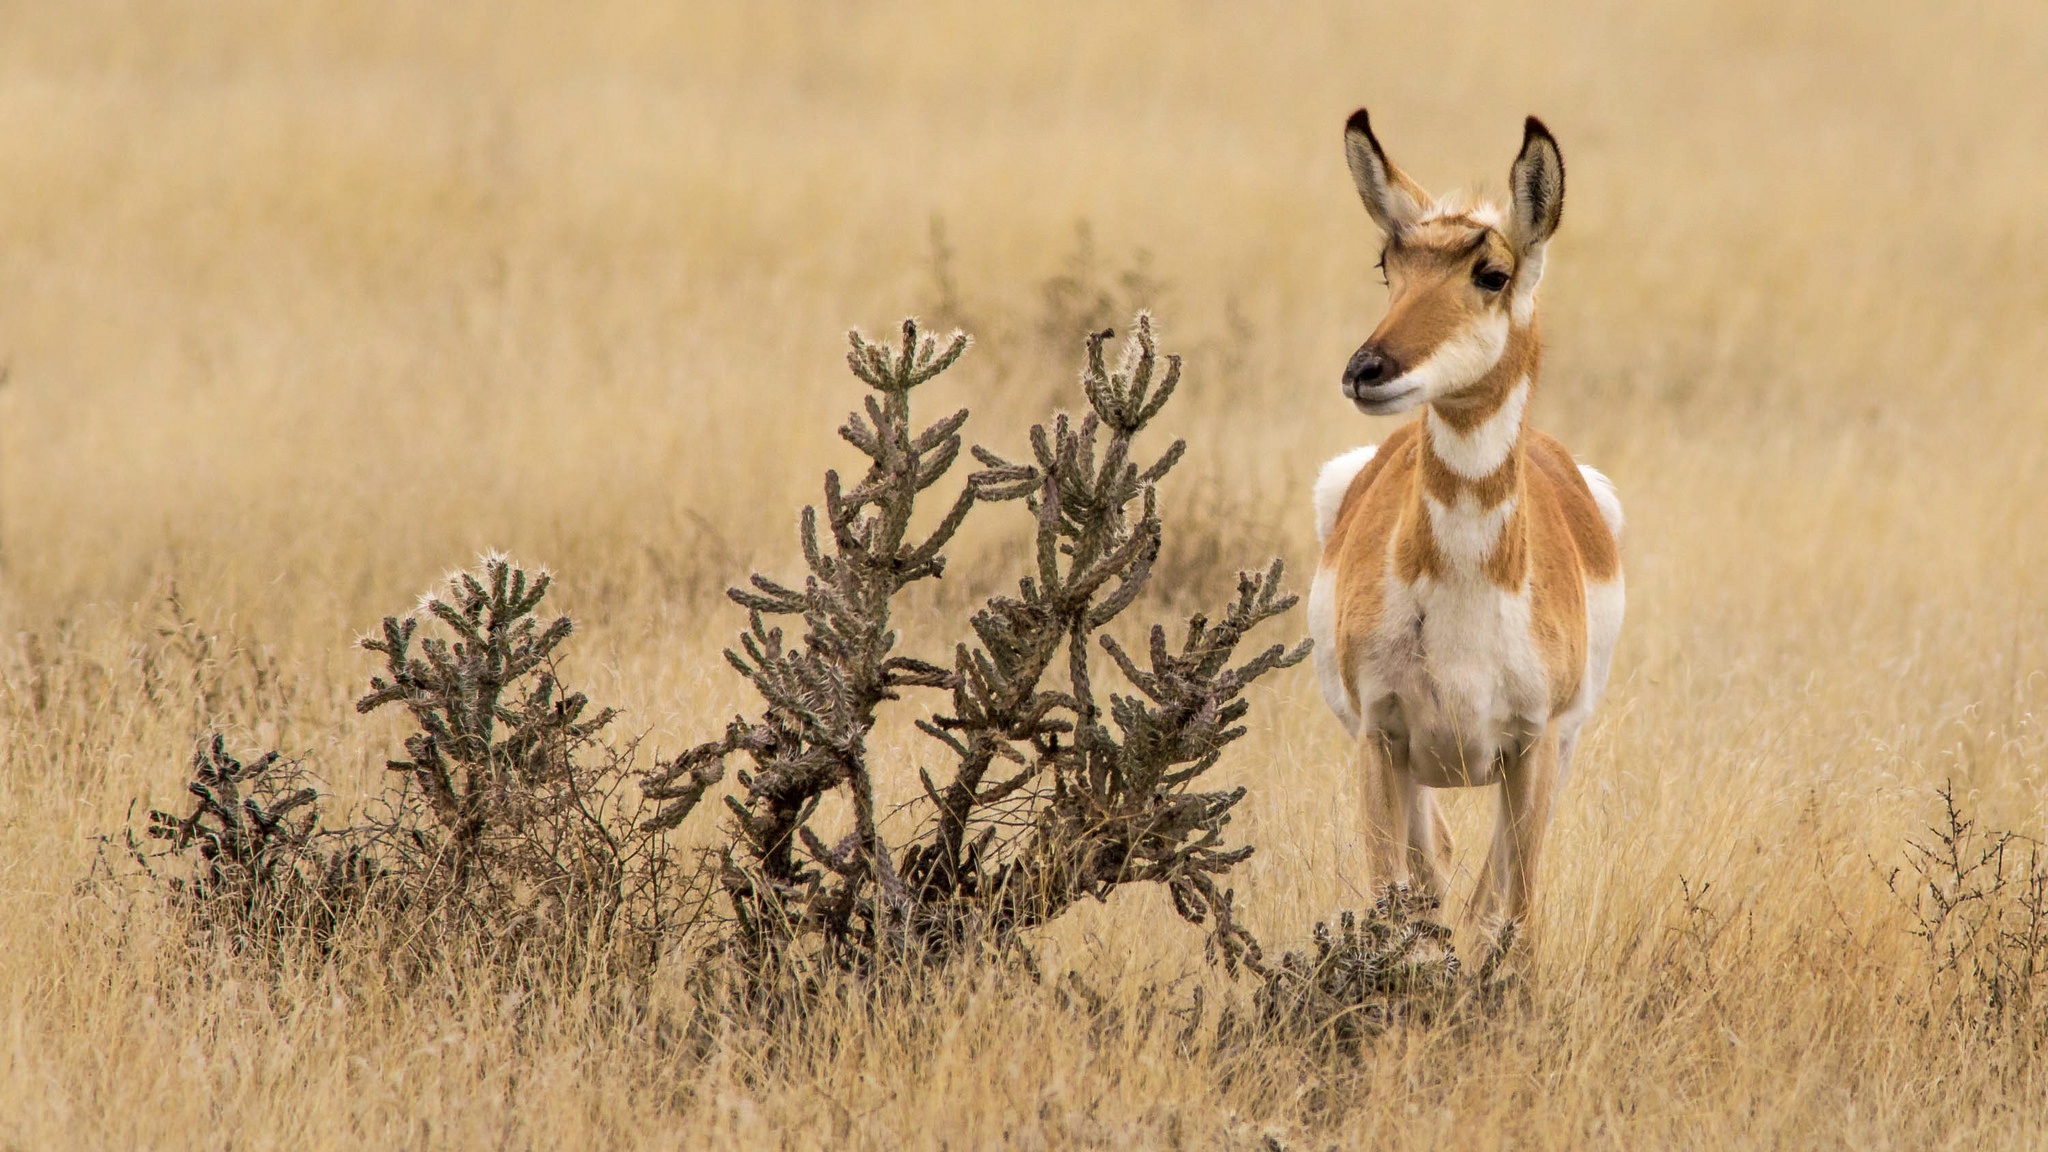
x: 1429, y: 844
x: 1388, y: 797
x: 1484, y: 912
x: 1507, y: 890
x: 1565, y: 745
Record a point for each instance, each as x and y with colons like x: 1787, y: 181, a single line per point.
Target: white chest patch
x: 1479, y: 453
x: 1466, y: 533
x: 1457, y: 678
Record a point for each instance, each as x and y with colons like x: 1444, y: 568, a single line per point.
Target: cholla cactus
x: 259, y: 870
x: 1110, y: 806
x: 473, y: 749
x: 512, y: 823
x: 1089, y: 797
x: 513, y: 815
x: 1395, y: 965
x: 821, y: 698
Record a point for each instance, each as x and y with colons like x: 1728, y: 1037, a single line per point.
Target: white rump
x: 1335, y: 480
x: 1603, y: 494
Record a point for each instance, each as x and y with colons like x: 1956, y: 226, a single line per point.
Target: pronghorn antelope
x: 1470, y: 591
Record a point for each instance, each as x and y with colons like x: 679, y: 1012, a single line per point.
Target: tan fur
x: 1529, y: 528
x: 1376, y: 511
x: 1426, y: 268
x: 1556, y: 539
x: 1598, y: 552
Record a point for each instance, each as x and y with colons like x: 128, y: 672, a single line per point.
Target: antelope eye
x: 1490, y: 279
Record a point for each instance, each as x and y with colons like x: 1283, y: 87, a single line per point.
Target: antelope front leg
x: 1528, y: 785
x: 1387, y: 809
x: 1429, y: 843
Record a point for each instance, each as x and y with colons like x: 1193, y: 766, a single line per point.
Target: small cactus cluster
x: 512, y: 815
x: 476, y: 755
x: 1394, y: 965
x: 511, y: 826
x: 262, y: 873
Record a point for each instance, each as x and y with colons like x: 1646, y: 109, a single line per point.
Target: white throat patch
x: 1479, y: 453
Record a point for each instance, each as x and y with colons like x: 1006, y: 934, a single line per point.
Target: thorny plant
x: 512, y: 814
x: 259, y: 871
x: 1979, y: 901
x: 510, y: 824
x: 462, y: 767
x: 1057, y: 791
x: 512, y: 831
x: 1394, y: 966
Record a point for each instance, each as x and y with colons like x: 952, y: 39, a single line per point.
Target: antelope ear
x: 1538, y: 183
x: 1392, y: 200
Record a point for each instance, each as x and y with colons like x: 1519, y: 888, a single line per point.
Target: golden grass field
x: 304, y: 306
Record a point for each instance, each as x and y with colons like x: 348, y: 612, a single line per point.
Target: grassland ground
x: 302, y: 308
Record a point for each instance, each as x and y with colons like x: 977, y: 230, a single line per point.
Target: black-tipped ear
x: 1538, y: 183
x: 1392, y: 200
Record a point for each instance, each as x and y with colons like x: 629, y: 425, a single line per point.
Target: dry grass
x: 304, y: 307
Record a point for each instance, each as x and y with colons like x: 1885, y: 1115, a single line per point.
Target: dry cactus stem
x: 466, y: 770
x: 1100, y: 793
x: 1056, y: 793
x: 821, y: 698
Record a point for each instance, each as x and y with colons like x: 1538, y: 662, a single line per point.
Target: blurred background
x: 341, y: 293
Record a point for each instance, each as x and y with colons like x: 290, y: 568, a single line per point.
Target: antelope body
x: 1469, y: 593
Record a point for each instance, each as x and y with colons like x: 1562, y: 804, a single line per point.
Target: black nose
x: 1368, y: 366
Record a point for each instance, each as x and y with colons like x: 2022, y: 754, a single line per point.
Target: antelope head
x: 1462, y: 275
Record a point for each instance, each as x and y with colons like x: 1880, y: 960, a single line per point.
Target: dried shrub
x: 1979, y: 901
x: 1058, y: 791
